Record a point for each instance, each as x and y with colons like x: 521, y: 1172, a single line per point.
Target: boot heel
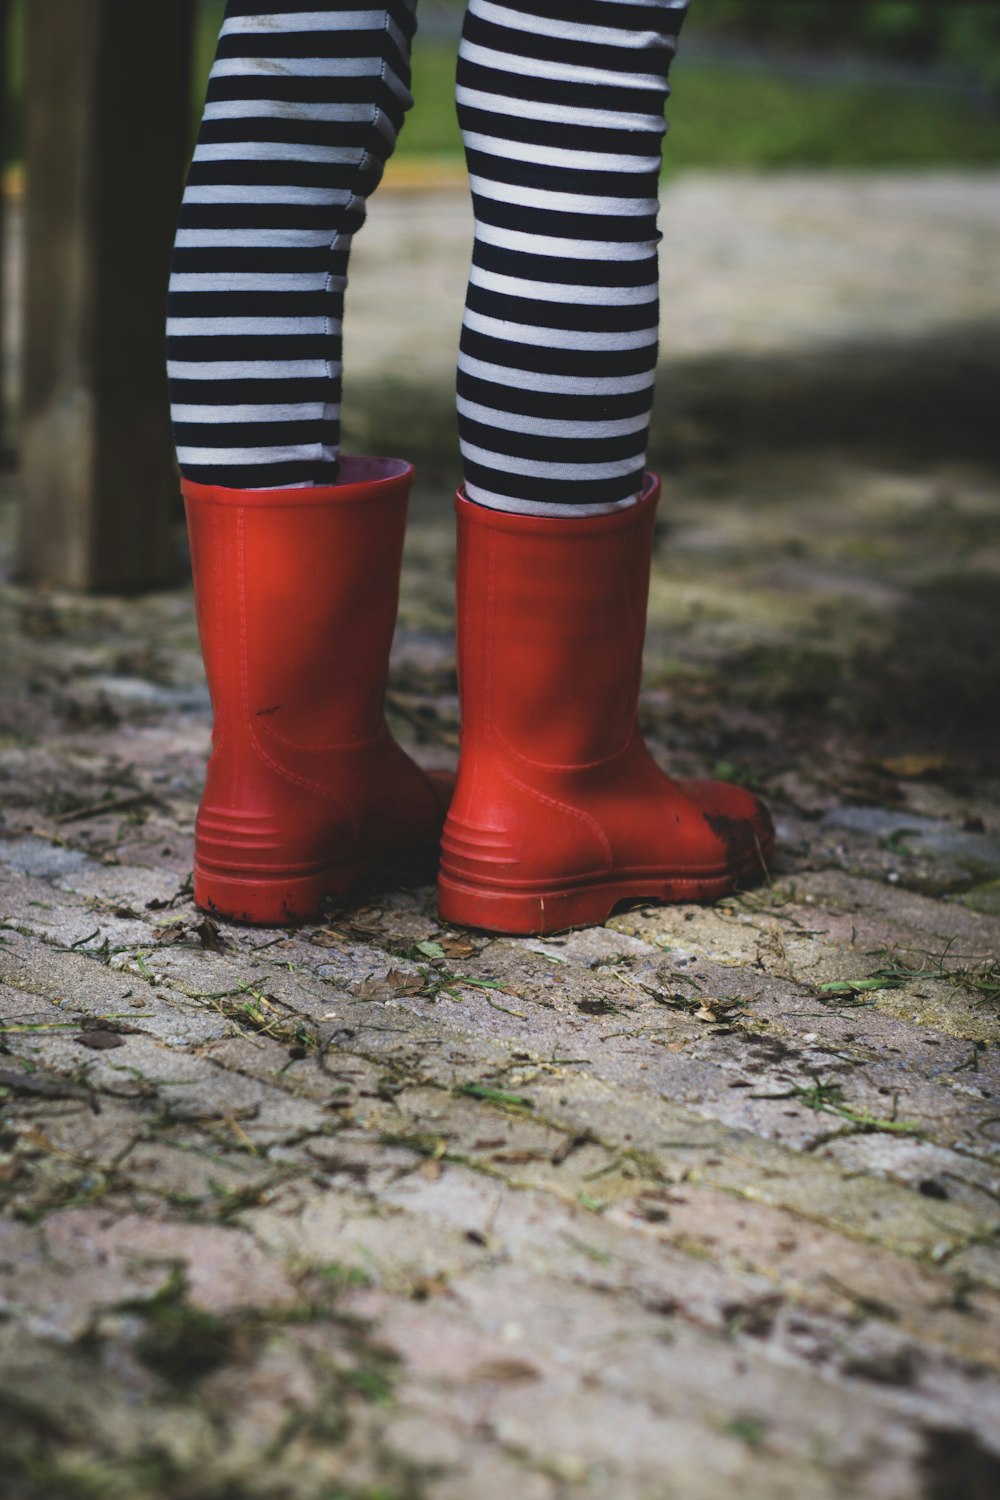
x: 273, y: 901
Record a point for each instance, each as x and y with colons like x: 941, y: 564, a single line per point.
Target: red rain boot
x: 307, y: 792
x: 560, y: 810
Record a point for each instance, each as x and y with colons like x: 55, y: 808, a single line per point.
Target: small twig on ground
x: 108, y: 805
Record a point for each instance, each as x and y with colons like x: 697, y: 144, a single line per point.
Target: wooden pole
x: 4, y: 127
x: 107, y: 106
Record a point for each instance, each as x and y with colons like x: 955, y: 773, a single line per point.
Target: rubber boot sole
x: 274, y: 901
x: 535, y: 913
x: 290, y: 900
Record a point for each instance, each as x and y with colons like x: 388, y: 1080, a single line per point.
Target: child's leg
x: 560, y: 810
x: 304, y: 104
x: 296, y: 576
x: 561, y: 108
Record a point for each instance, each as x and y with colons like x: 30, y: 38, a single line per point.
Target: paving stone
x: 55, y: 1284
x: 223, y: 1269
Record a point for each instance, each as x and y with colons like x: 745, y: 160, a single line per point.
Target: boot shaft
x: 552, y: 618
x: 296, y: 593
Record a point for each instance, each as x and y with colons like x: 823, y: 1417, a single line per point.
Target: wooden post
x: 106, y: 133
x: 4, y: 126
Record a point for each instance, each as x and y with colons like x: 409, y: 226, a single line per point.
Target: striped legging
x: 561, y: 108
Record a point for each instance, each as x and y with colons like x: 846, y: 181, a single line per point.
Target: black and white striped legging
x: 561, y: 108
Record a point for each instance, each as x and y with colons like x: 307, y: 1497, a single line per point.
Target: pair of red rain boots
x: 559, y: 811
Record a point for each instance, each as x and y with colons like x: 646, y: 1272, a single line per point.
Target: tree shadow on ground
x: 923, y: 400
x: 933, y: 680
x: 939, y: 673
x: 916, y: 401
x: 777, y: 423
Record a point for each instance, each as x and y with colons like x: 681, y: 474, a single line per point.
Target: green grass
x: 739, y: 117
x: 733, y: 117
x: 431, y: 128
x: 723, y: 115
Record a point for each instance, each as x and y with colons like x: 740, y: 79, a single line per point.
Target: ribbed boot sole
x: 274, y: 901
x: 535, y: 913
x: 284, y: 900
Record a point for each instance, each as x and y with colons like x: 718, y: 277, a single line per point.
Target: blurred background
x: 789, y: 83
x: 826, y: 407
x: 761, y: 86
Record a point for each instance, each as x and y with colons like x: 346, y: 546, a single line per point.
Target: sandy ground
x: 704, y: 1200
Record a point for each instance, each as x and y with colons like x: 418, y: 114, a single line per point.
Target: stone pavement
x: 705, y: 1199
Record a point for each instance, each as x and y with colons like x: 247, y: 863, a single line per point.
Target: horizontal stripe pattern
x: 303, y: 108
x: 561, y: 110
